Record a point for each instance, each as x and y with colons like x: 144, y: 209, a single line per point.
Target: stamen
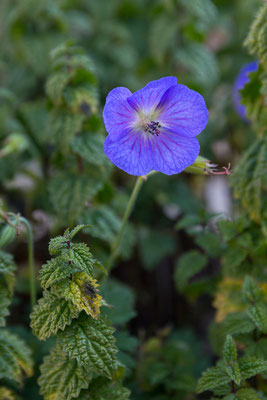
x: 152, y: 128
x: 226, y: 171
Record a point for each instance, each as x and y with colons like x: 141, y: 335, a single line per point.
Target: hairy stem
x: 31, y: 260
x: 116, y: 243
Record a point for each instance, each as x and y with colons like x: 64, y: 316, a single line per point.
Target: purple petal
x: 182, y: 111
x: 163, y: 83
x: 148, y: 98
x: 119, y: 118
x: 119, y: 93
x: 173, y: 153
x: 131, y: 154
x: 239, y: 84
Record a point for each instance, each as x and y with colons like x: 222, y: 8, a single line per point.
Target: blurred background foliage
x: 189, y: 246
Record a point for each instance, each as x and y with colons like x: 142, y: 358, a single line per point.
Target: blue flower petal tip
x: 154, y: 128
x: 241, y: 79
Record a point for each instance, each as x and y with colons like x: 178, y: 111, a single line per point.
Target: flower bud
x: 203, y: 166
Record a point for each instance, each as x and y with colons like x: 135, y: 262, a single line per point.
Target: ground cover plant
x: 133, y: 206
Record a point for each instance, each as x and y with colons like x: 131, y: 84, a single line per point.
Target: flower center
x: 152, y: 127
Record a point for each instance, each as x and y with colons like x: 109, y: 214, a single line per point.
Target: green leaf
x: 258, y: 315
x: 15, y: 357
x: 55, y: 85
x: 51, y: 314
x: 119, y: 312
x: 250, y: 366
x: 256, y: 39
x: 213, y: 378
x: 62, y: 378
x: 69, y: 193
x: 249, y: 180
x: 227, y: 228
x: 210, y: 242
x: 55, y: 271
x: 77, y: 229
x: 247, y: 394
x: 236, y: 323
x: 90, y: 147
x: 91, y: 342
x: 229, y: 350
x: 230, y: 357
x: 7, y: 268
x: 188, y: 265
x: 250, y: 290
x: 103, y: 389
x: 4, y: 304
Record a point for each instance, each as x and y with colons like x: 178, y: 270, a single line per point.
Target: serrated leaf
x: 250, y: 366
x: 61, y: 377
x: 56, y: 83
x: 103, y: 389
x: 213, y: 378
x: 51, y: 314
x: 119, y: 312
x: 250, y: 290
x: 188, y: 265
x: 229, y: 350
x: 258, y: 315
x: 247, y: 394
x: 55, y: 271
x: 77, y: 229
x: 209, y: 242
x: 69, y: 193
x: 7, y: 268
x: 15, y: 357
x: 236, y: 323
x: 4, y: 304
x: 82, y: 291
x: 90, y: 147
x: 227, y: 228
x: 249, y: 180
x: 91, y: 342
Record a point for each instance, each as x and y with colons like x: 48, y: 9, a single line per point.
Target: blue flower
x: 154, y: 128
x: 241, y: 80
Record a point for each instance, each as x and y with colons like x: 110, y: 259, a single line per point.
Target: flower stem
x: 31, y: 260
x: 116, y: 243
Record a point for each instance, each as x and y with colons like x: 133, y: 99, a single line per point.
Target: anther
x: 152, y: 128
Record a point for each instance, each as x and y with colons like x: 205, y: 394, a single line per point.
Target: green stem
x: 31, y: 260
x: 116, y: 243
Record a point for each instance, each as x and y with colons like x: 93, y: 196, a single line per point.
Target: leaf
x: 103, y: 389
x: 62, y: 378
x: 15, y: 357
x: 247, y: 394
x: 55, y: 85
x: 69, y: 193
x: 4, y: 304
x: 189, y: 264
x: 250, y: 366
x: 230, y: 357
x: 82, y: 291
x: 229, y: 350
x: 209, y: 242
x: 227, y: 228
x: 249, y: 180
x: 55, y: 271
x: 213, y: 378
x: 91, y: 342
x: 256, y: 39
x: 7, y: 268
x: 51, y: 314
x: 236, y: 323
x: 77, y: 229
x: 258, y: 315
x: 119, y: 312
x: 90, y: 147
x: 250, y: 290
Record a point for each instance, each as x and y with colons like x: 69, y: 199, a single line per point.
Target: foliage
x: 70, y: 309
x: 189, y: 290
